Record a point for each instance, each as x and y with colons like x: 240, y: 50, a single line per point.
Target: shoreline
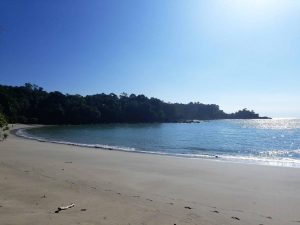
x: 114, y: 187
x: 217, y: 158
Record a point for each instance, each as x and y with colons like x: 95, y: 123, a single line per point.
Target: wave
x: 262, y: 160
x: 22, y: 133
x: 283, y: 162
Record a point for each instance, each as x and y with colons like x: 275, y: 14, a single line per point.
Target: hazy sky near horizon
x: 234, y: 53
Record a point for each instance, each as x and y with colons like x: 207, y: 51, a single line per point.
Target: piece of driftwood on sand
x: 64, y: 207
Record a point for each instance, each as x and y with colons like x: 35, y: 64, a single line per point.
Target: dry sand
x: 120, y: 188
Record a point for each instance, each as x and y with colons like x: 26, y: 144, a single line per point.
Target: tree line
x: 3, y: 127
x: 31, y: 104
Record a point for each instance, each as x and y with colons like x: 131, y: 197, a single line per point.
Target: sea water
x: 271, y: 142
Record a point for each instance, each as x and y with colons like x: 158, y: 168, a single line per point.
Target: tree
x: 3, y: 127
x: 31, y: 104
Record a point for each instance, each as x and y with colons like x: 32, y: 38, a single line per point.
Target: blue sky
x: 237, y: 54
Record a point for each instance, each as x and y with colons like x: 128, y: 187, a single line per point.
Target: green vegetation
x: 31, y: 104
x: 3, y: 127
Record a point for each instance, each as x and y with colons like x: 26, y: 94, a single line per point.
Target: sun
x: 254, y: 11
x: 253, y: 5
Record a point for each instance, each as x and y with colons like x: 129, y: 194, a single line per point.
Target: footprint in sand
x: 215, y: 211
x: 235, y: 218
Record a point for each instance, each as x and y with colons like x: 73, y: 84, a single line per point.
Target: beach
x: 114, y: 187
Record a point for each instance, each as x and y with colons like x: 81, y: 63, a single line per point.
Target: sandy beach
x: 121, y: 188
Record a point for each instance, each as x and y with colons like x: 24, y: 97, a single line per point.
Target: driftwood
x: 64, y: 207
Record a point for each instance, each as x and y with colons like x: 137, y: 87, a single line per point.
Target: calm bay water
x: 273, y: 142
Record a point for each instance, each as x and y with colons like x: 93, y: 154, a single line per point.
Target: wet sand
x: 111, y: 187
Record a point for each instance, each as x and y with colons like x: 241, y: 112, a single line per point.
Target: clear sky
x: 234, y: 53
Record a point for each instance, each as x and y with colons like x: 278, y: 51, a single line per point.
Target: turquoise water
x: 273, y: 142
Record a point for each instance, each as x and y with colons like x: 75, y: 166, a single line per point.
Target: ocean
x: 270, y: 142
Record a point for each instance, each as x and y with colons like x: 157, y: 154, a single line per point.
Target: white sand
x: 130, y: 188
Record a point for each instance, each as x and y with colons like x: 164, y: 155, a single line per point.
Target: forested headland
x: 31, y: 104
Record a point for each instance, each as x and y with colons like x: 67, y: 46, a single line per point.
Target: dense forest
x: 31, y: 104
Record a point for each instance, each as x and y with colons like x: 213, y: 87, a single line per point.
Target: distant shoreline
x: 57, y: 108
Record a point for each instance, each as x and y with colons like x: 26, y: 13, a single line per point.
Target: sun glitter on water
x: 274, y: 124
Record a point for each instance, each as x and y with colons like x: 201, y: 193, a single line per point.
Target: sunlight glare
x: 255, y: 10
